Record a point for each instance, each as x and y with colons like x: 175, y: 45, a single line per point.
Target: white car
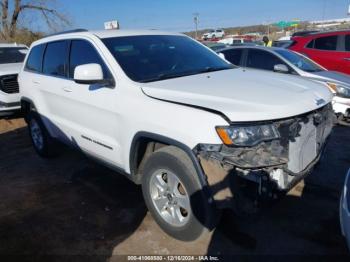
x: 286, y: 61
x: 234, y: 40
x: 11, y: 59
x: 218, y: 33
x: 173, y: 116
x: 345, y: 210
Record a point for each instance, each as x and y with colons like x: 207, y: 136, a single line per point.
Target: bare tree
x: 11, y: 10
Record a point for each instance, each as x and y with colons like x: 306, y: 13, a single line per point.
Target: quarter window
x: 347, y: 43
x: 82, y: 52
x: 262, y: 60
x: 55, y: 60
x: 326, y: 43
x: 35, y: 58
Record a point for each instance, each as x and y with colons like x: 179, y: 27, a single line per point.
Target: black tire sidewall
x: 47, y: 140
x: 197, y: 223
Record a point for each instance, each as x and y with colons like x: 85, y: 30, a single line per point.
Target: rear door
x: 325, y: 50
x: 344, y: 63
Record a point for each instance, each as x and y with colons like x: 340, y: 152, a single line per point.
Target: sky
x: 177, y: 15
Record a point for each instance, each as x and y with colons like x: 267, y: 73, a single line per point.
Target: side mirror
x: 89, y: 74
x: 281, y: 68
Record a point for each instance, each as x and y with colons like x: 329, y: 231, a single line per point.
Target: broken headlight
x: 245, y: 135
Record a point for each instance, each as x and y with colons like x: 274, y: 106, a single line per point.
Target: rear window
x: 35, y: 58
x: 55, y: 60
x: 233, y: 56
x: 326, y: 43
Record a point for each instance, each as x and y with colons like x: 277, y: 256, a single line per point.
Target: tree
x: 11, y: 10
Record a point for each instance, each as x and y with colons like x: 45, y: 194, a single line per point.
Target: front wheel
x: 42, y: 142
x: 174, y: 196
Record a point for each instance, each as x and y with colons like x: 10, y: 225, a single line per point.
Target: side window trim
x: 43, y: 59
x: 323, y: 50
x: 97, y: 52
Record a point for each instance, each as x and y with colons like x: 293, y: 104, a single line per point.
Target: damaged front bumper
x: 275, y: 166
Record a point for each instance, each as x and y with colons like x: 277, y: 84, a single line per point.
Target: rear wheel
x: 174, y: 196
x: 42, y: 142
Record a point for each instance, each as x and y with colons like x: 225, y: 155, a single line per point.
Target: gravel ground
x: 69, y: 208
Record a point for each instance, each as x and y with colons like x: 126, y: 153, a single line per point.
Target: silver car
x: 345, y: 210
x: 286, y: 61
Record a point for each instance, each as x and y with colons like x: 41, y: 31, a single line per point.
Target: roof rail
x: 69, y: 31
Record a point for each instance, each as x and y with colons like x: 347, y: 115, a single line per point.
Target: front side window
x: 326, y: 43
x: 35, y: 58
x: 260, y: 59
x: 55, y: 59
x: 300, y: 61
x: 157, y: 57
x: 233, y: 56
x: 82, y: 52
x: 10, y: 55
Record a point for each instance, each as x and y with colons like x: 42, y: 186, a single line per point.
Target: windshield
x: 300, y: 61
x: 10, y: 55
x: 158, y: 57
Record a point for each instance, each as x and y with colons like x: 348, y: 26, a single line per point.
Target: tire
x: 174, y: 195
x: 42, y: 142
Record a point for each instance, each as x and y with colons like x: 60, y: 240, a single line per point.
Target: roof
x: 323, y: 33
x: 104, y: 34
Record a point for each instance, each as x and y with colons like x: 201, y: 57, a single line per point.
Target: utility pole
x: 196, y: 22
x: 324, y: 12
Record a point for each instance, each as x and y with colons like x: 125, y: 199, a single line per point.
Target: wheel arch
x: 137, y: 149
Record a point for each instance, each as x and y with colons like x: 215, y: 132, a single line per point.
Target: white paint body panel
x: 9, y: 69
x: 113, y: 116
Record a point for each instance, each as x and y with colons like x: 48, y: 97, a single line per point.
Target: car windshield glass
x: 10, y: 55
x: 300, y: 61
x: 159, y: 57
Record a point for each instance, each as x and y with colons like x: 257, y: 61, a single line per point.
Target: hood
x: 333, y: 76
x: 8, y: 69
x: 244, y: 95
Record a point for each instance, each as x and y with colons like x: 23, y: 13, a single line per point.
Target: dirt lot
x: 72, y: 206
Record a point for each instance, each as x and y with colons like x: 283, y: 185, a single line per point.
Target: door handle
x: 35, y: 82
x: 346, y: 58
x: 67, y: 89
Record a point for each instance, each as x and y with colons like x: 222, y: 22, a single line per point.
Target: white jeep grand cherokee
x: 170, y: 114
x: 11, y: 59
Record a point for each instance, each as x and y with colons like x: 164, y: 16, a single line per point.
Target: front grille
x: 9, y: 84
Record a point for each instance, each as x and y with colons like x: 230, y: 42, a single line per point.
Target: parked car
x: 214, y: 45
x: 171, y: 115
x: 289, y: 62
x: 282, y: 43
x: 345, y: 210
x: 329, y: 49
x: 218, y: 33
x: 11, y: 59
x: 233, y: 40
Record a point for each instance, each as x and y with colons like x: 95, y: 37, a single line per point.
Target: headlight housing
x: 341, y: 90
x: 247, y: 135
